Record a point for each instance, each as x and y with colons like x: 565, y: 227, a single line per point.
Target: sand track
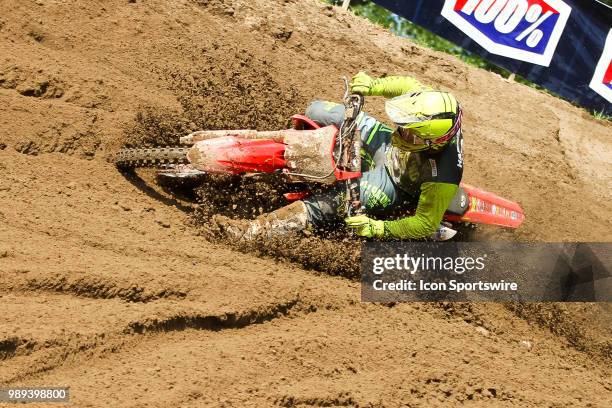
x: 106, y: 285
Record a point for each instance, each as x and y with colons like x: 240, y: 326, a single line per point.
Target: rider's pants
x: 378, y: 192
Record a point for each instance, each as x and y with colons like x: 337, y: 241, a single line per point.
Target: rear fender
x: 236, y: 155
x: 301, y: 122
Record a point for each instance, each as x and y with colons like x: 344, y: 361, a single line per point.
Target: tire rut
x: 44, y: 356
x: 212, y: 322
x: 100, y: 289
x: 8, y: 347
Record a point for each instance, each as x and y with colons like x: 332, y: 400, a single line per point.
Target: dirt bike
x: 305, y: 155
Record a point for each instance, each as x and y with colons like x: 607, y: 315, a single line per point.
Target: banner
x: 563, y: 45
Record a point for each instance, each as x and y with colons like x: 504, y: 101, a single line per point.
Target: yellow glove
x: 361, y: 84
x: 365, y: 226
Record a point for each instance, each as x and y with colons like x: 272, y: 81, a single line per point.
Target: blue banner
x: 563, y: 45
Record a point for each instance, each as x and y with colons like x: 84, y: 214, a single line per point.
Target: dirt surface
x: 107, y: 286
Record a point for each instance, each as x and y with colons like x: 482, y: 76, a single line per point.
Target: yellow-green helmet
x: 426, y: 120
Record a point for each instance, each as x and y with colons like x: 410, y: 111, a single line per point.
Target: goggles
x: 411, y: 138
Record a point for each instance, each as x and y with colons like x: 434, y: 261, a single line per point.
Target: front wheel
x: 151, y: 157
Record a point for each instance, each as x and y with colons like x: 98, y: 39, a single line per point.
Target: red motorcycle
x: 305, y: 155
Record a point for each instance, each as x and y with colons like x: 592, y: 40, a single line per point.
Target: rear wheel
x: 151, y: 157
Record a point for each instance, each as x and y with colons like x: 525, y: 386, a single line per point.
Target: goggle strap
x: 452, y: 132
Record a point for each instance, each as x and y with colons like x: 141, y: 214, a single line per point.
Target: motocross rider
x: 419, y: 161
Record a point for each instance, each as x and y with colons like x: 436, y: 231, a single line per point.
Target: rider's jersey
x: 392, y: 177
x: 432, y: 178
x: 409, y: 170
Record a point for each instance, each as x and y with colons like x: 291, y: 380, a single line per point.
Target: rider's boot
x: 285, y: 220
x: 443, y: 233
